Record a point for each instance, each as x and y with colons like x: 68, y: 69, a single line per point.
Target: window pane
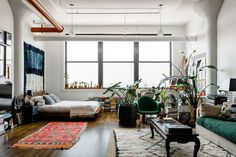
x: 82, y: 51
x: 151, y: 73
x: 83, y: 72
x: 154, y: 51
x: 1, y: 59
x: 8, y: 56
x: 118, y: 72
x: 118, y: 51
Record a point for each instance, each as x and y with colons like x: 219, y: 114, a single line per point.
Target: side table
x: 30, y: 113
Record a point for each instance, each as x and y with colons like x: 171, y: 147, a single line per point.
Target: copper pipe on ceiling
x: 41, y: 9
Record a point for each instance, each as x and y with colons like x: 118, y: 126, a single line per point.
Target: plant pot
x: 193, y: 115
x: 127, y: 115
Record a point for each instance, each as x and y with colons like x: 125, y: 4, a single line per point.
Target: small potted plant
x: 127, y: 111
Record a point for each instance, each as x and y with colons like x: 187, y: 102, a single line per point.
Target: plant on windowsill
x: 127, y: 111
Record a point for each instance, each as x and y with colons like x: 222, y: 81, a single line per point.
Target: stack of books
x: 107, y: 105
x: 178, y: 129
x: 113, y: 104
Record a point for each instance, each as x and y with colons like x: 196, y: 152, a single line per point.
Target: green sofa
x: 222, y: 133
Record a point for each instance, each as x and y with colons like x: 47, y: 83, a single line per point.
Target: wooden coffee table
x: 159, y: 128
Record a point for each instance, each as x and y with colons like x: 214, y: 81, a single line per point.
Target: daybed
x: 51, y: 105
x: 220, y: 132
x: 72, y: 109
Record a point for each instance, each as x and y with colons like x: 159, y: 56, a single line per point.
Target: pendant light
x: 160, y: 32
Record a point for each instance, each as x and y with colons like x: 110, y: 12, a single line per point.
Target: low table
x: 159, y: 128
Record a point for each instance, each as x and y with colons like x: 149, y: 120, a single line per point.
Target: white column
x: 21, y: 13
x: 209, y: 10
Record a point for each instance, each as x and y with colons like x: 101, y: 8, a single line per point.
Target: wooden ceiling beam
x: 43, y: 11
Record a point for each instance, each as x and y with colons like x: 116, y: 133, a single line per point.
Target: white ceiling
x: 119, y: 12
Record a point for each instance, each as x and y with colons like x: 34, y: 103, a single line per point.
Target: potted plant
x: 189, y: 89
x: 127, y: 111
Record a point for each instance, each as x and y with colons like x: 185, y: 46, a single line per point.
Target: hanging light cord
x: 160, y: 16
x: 160, y: 32
x: 125, y: 25
x: 72, y: 20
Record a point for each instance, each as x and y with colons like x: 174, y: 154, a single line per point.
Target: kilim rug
x: 54, y: 135
x: 129, y: 144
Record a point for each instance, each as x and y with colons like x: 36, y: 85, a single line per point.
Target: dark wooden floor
x: 93, y: 142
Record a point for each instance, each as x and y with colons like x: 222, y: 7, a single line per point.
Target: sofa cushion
x: 48, y: 99
x: 207, y: 110
x: 55, y: 98
x: 226, y: 129
x: 37, y: 100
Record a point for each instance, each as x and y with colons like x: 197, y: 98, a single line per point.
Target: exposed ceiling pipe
x: 40, y: 8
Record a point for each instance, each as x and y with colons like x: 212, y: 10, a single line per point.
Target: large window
x: 82, y: 63
x: 118, y: 63
x: 154, y: 62
x: 106, y: 63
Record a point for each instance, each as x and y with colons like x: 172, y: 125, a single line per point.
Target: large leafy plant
x: 126, y: 95
x: 189, y: 85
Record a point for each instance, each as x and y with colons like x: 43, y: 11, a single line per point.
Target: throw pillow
x: 55, y: 98
x: 209, y: 110
x: 48, y: 99
x: 37, y: 100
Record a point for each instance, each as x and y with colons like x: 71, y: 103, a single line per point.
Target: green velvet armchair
x: 147, y: 105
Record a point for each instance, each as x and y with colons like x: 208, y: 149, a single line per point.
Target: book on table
x: 166, y: 120
x: 178, y: 128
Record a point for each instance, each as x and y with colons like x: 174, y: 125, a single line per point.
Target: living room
x: 187, y: 30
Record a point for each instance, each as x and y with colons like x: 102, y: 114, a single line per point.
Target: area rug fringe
x: 49, y: 146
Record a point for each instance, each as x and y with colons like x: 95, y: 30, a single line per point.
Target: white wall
x: 6, y: 16
x: 6, y: 23
x: 22, y: 31
x: 226, y: 37
x: 206, y: 28
x: 178, y: 47
x: 196, y: 27
x: 226, y: 41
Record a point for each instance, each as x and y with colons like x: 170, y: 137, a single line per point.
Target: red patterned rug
x: 55, y: 135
